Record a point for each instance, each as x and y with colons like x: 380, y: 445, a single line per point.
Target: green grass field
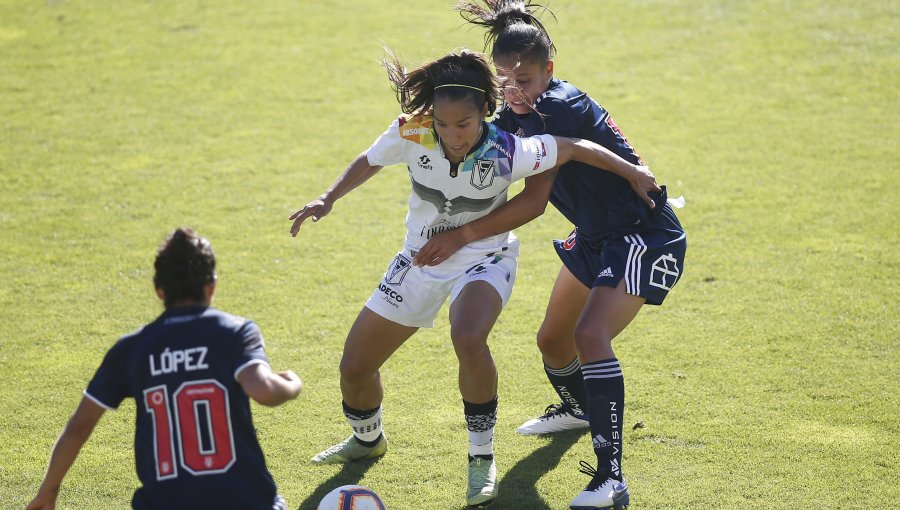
x: 770, y: 379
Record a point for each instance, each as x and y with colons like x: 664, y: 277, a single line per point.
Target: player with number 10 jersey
x: 195, y: 445
x: 191, y: 373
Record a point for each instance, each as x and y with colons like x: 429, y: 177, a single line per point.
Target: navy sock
x: 605, y: 387
x: 569, y: 385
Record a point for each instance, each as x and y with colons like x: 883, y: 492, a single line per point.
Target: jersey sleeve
x: 534, y: 154
x: 252, y: 348
x: 109, y: 386
x: 388, y: 148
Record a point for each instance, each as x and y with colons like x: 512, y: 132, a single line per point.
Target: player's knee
x: 469, y: 344
x: 590, y: 338
x: 551, y: 342
x: 355, y: 368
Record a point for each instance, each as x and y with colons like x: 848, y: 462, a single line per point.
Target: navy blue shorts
x: 651, y: 262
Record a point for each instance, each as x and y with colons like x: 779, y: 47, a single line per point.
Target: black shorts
x: 651, y: 262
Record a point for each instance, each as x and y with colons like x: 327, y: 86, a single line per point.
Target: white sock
x: 481, y: 443
x: 366, y: 425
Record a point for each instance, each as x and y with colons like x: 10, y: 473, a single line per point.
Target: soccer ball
x: 352, y: 497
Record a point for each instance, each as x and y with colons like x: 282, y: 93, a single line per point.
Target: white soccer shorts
x: 413, y: 295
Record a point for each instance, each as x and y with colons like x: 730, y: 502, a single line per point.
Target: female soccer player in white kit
x: 460, y: 168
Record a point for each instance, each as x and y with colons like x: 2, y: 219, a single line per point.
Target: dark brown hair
x: 513, y: 28
x: 465, y: 75
x: 185, y: 264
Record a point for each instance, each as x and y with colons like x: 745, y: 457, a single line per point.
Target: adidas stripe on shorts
x: 413, y: 295
x: 650, y: 262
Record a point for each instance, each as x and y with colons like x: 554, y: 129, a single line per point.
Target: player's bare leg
x: 370, y: 342
x: 607, y: 312
x: 472, y: 315
x: 556, y: 341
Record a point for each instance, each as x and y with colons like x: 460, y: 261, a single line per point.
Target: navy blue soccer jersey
x: 601, y: 204
x: 195, y: 444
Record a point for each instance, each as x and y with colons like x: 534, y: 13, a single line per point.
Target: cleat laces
x: 554, y: 411
x: 591, y: 471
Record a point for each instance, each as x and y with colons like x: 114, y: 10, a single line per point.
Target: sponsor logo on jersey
x: 397, y: 271
x: 606, y: 273
x: 424, y: 161
x: 483, y: 173
x: 408, y: 132
x: 417, y: 129
x: 499, y: 147
x: 664, y: 272
x: 429, y: 231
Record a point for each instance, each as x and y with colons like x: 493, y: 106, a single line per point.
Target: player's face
x: 522, y: 81
x: 458, y: 124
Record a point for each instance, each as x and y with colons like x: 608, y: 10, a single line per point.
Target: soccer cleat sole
x: 482, y: 504
x: 621, y: 504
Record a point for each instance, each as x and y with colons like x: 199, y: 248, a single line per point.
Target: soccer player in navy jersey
x: 459, y: 168
x: 190, y: 372
x: 622, y: 254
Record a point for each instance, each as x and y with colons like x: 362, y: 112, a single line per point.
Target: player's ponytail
x: 185, y: 264
x: 465, y: 75
x: 513, y: 28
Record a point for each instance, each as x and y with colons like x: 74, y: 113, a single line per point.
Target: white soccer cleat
x: 482, y: 481
x: 556, y: 418
x: 350, y: 450
x: 601, y: 494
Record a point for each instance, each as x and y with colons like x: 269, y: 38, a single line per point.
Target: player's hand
x: 294, y: 382
x: 440, y: 247
x: 643, y: 182
x: 318, y: 208
x: 42, y: 501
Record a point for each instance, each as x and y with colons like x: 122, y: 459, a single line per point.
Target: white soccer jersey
x: 444, y: 198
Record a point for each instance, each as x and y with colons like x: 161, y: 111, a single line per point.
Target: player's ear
x: 160, y: 294
x: 549, y: 68
x: 210, y: 289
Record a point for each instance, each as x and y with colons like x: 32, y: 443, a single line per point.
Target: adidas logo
x: 606, y: 272
x: 601, y: 442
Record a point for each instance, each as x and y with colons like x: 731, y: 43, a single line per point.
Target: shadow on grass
x: 350, y: 474
x: 518, y: 487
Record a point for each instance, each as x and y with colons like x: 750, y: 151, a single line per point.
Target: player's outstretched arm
x: 267, y: 387
x: 640, y: 177
x: 65, y: 451
x: 530, y: 203
x: 357, y: 173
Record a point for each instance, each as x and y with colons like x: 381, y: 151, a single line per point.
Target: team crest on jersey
x: 397, y: 271
x: 483, y: 173
x: 664, y: 272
